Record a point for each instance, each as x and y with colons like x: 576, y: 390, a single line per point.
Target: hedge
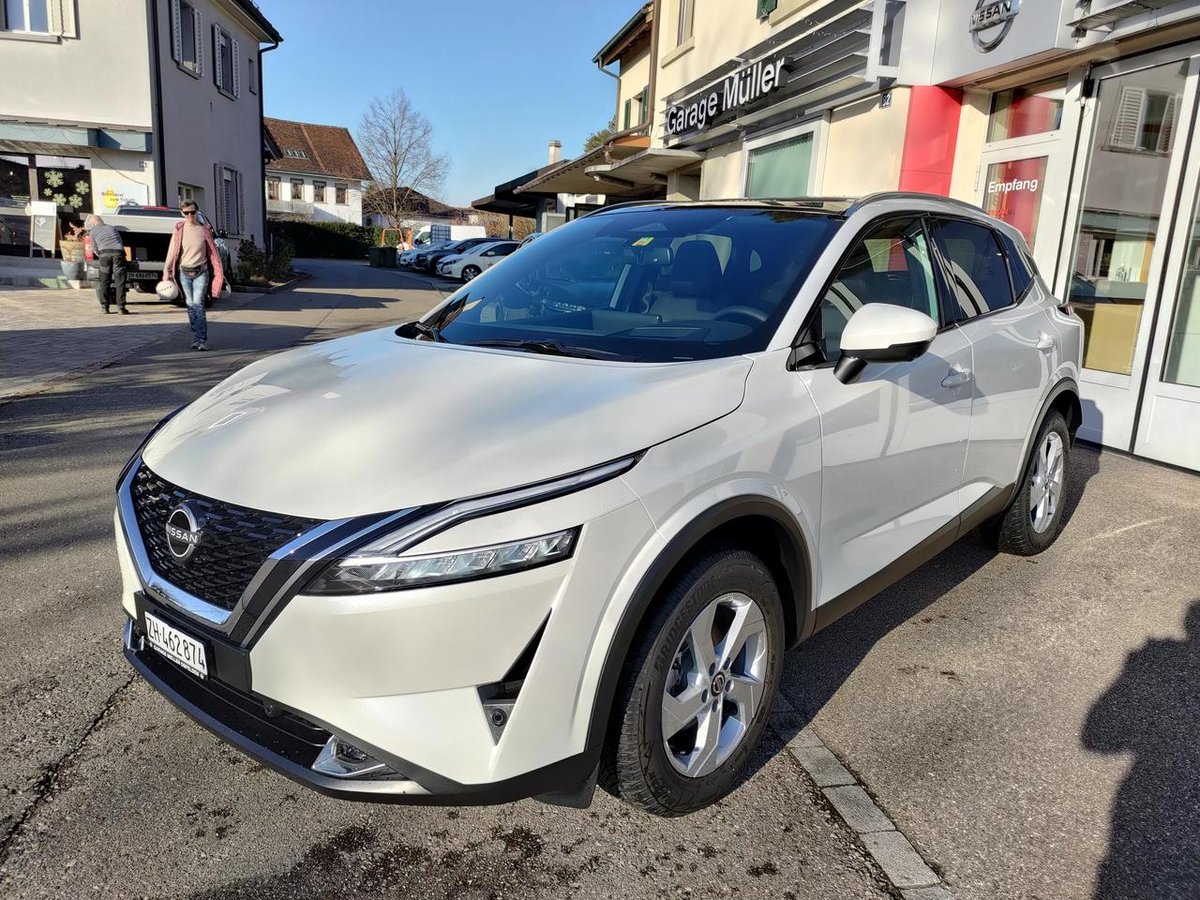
x: 328, y: 240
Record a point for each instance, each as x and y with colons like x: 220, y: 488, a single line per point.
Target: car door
x: 894, y: 440
x: 993, y: 299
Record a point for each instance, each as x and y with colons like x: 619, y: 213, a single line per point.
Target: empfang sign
x: 742, y: 88
x: 1017, y: 184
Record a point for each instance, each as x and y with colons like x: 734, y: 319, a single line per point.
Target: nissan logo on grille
x: 183, y: 532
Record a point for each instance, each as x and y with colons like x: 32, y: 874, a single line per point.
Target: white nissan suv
x: 562, y: 529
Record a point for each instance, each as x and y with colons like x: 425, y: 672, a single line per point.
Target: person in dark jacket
x: 110, y: 251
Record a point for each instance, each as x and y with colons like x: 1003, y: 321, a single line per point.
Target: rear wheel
x: 698, y: 687
x: 1034, y: 518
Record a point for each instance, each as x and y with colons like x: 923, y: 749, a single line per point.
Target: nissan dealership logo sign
x: 991, y: 22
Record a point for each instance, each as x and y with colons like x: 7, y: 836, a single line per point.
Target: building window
x: 318, y: 192
x: 226, y: 69
x: 295, y: 154
x: 1020, y: 112
x: 29, y: 16
x: 687, y: 11
x: 781, y: 170
x: 1144, y: 120
x: 297, y: 189
x: 273, y: 188
x: 252, y: 74
x: 189, y: 193
x: 339, y: 191
x: 230, y: 213
x: 766, y: 7
x: 187, y: 40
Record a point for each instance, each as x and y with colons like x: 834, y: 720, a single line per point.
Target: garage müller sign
x: 743, y: 88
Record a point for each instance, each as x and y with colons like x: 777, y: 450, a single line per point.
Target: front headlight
x: 367, y: 572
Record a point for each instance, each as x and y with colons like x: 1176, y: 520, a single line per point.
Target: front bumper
x: 404, y: 676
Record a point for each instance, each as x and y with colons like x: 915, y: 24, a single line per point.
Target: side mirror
x: 879, y: 332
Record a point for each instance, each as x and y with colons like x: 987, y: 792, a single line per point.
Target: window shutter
x: 628, y: 111
x: 241, y: 205
x: 644, y: 102
x: 1128, y: 119
x: 1167, y: 131
x: 219, y: 194
x: 235, y: 66
x: 176, y: 37
x: 199, y: 28
x: 766, y: 7
x: 218, y: 75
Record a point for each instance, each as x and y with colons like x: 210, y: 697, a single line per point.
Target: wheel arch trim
x: 795, y: 556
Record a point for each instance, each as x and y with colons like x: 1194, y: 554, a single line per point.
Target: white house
x: 313, y: 172
x: 107, y: 102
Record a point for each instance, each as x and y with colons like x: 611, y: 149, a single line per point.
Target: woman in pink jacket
x: 195, y: 265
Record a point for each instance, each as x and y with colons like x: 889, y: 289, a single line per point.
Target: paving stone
x: 899, y: 861
x: 928, y: 893
x: 822, y: 766
x: 858, y: 809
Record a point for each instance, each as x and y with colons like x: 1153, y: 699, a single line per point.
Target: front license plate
x: 176, y: 646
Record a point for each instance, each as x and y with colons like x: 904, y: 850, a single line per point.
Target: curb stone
x: 901, y: 863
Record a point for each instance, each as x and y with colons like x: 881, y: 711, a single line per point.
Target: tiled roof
x: 315, y: 150
x: 419, y: 205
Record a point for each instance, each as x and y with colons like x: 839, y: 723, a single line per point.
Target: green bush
x: 327, y: 240
x: 251, y: 264
x: 279, y: 266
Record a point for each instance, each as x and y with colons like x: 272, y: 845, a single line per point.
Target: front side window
x: 29, y: 16
x: 890, y: 264
x: 650, y: 284
x: 977, y: 270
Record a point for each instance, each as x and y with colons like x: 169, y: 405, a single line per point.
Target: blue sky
x: 497, y: 79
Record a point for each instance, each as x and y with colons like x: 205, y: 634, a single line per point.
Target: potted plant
x: 72, y: 251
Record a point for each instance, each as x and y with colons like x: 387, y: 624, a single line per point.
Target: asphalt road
x: 1031, y: 725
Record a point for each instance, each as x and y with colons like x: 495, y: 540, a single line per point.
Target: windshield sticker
x: 643, y: 241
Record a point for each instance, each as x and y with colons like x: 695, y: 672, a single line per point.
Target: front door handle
x: 1045, y: 343
x: 957, y: 378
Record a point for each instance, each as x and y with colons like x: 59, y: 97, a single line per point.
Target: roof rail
x: 908, y: 195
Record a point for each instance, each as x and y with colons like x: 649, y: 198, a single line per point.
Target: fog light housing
x: 341, y: 759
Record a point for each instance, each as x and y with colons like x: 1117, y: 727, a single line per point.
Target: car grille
x: 236, y: 543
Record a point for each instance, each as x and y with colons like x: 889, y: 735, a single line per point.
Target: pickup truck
x: 146, y: 231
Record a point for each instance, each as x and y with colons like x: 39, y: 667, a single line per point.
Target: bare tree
x: 395, y: 140
x: 496, y: 225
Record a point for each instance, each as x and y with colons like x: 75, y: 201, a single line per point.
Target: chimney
x: 555, y: 152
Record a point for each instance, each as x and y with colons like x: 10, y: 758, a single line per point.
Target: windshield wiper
x: 550, y: 347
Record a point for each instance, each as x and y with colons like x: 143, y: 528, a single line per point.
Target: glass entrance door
x: 1124, y: 215
x: 1169, y: 421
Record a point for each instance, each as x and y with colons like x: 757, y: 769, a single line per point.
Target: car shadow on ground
x: 1152, y: 712
x: 814, y: 672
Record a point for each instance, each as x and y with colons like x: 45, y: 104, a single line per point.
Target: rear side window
x: 1019, y: 265
x: 977, y: 269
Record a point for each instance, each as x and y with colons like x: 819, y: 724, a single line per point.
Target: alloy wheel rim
x: 715, y: 685
x: 1046, y: 483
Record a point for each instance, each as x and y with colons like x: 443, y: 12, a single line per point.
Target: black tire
x: 470, y: 272
x: 635, y: 765
x: 1012, y: 531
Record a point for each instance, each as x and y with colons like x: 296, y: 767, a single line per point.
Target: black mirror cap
x: 850, y: 365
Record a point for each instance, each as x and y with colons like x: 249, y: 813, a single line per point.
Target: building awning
x: 572, y: 177
x: 647, y: 168
x: 504, y: 199
x: 67, y: 138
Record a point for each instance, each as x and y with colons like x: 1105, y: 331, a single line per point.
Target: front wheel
x: 1035, y: 516
x: 470, y: 272
x: 698, y: 688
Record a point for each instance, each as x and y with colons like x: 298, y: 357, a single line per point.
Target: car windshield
x: 654, y: 284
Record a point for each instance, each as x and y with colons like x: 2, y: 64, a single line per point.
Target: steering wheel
x: 748, y: 312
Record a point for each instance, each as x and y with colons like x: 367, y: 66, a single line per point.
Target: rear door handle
x: 957, y: 378
x: 1045, y: 343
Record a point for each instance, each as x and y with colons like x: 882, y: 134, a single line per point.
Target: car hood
x: 375, y: 422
